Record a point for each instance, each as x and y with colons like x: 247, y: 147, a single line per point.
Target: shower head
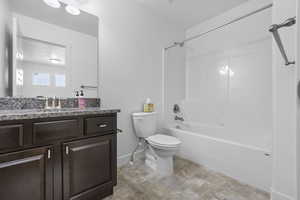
x: 287, y: 23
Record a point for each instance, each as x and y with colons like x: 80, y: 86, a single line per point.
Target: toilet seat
x: 163, y: 141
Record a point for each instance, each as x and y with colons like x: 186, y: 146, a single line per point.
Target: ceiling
x: 188, y: 13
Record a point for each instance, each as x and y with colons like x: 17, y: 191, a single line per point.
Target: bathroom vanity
x: 58, y: 154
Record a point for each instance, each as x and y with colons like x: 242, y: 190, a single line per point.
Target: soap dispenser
x: 81, y: 100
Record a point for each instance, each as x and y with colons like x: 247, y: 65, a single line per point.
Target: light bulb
x: 53, y: 3
x: 72, y: 10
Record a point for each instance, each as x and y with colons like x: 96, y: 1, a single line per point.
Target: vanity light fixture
x: 53, y: 3
x: 72, y: 6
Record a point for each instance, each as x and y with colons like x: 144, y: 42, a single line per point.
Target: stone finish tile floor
x: 189, y: 182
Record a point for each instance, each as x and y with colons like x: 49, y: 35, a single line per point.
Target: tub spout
x: 179, y: 118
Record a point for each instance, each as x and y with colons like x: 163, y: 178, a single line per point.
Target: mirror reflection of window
x: 60, y: 80
x: 41, y: 79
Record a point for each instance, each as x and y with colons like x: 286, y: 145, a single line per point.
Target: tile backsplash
x: 11, y: 103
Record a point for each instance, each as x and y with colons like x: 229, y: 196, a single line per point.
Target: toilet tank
x: 145, y: 124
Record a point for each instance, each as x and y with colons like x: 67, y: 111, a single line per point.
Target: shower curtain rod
x: 219, y: 27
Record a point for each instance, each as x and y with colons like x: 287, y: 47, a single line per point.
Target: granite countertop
x: 7, y: 115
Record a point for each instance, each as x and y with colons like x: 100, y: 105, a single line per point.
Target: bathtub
x: 248, y: 164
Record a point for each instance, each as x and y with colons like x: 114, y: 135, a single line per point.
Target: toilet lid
x: 163, y: 140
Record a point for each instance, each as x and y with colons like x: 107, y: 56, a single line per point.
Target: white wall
x: 81, y: 60
x: 4, y: 45
x: 37, y: 9
x: 285, y: 106
x: 132, y: 39
x: 298, y: 105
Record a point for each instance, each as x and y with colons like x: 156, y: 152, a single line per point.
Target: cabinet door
x: 26, y: 175
x: 89, y: 168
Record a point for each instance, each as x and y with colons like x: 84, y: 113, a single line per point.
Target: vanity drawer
x: 98, y: 125
x: 55, y: 130
x: 11, y: 136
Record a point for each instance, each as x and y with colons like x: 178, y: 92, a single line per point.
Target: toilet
x: 160, y: 148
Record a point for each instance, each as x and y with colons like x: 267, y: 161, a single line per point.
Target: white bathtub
x: 247, y: 164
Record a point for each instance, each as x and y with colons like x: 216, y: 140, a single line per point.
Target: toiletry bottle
x: 81, y: 100
x: 77, y: 97
x: 148, y: 106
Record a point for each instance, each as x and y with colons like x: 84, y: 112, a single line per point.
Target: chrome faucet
x: 47, y: 103
x: 179, y: 118
x: 53, y: 104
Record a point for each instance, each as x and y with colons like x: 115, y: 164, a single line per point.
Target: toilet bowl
x: 160, y: 147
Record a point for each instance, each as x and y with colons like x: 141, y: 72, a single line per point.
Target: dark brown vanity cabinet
x: 27, y: 174
x: 65, y: 160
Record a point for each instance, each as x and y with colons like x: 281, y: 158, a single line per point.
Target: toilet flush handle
x: 119, y: 131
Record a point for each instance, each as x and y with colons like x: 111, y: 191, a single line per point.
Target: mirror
x: 48, y: 51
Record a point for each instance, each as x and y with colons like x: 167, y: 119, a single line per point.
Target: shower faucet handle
x: 176, y: 108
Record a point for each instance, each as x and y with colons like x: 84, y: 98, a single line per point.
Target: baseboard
x: 280, y: 196
x: 124, y: 159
